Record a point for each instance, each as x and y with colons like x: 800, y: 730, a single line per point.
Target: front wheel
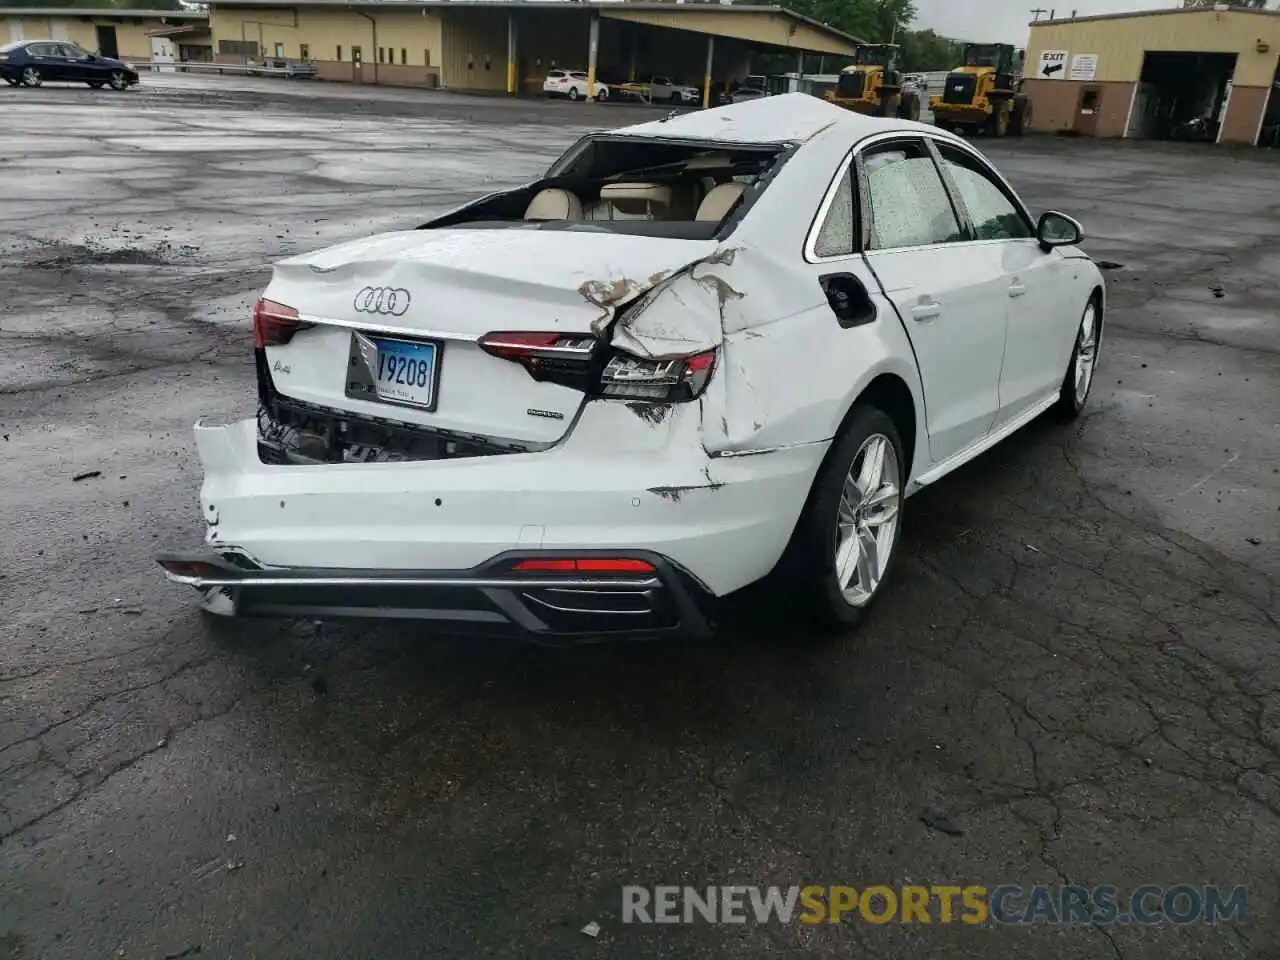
x: 573, y: 94
x: 845, y: 543
x: 1084, y: 360
x: 602, y: 94
x: 31, y: 77
x: 118, y: 80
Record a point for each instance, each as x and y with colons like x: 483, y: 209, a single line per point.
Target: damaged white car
x: 697, y: 352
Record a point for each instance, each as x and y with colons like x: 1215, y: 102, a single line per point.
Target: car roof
x: 784, y: 118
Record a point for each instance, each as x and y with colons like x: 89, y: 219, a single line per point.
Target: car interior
x: 655, y: 188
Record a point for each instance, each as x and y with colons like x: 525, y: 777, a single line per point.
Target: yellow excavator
x: 984, y: 94
x: 872, y: 84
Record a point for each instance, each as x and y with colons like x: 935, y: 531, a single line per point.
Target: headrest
x: 554, y: 204
x: 717, y: 203
x: 636, y: 197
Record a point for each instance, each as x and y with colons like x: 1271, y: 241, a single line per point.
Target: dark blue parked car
x: 32, y: 62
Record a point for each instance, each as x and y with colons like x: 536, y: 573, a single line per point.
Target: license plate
x: 398, y: 371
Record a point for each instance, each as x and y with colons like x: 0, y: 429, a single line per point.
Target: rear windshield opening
x: 629, y: 185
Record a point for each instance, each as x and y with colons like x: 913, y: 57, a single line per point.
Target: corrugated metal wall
x: 1120, y: 42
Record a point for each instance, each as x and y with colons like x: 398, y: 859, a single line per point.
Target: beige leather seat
x: 719, y: 201
x: 554, y: 204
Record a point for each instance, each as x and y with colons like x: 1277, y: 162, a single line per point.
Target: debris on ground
x: 939, y: 819
x: 86, y: 476
x: 1031, y: 548
x: 1256, y: 541
x: 592, y: 929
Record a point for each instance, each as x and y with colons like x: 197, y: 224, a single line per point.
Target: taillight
x: 574, y: 360
x: 563, y: 358
x: 672, y: 380
x: 274, y: 324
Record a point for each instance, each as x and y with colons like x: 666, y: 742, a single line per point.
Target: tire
x: 1021, y: 121
x: 998, y: 125
x: 823, y: 536
x: 602, y: 94
x: 1071, y: 397
x: 909, y: 107
x: 573, y: 94
x: 118, y: 80
x: 31, y: 77
x: 95, y: 84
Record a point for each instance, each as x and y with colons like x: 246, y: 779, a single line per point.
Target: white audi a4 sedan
x: 696, y: 353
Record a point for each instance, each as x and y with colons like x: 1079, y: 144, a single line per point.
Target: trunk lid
x: 397, y: 319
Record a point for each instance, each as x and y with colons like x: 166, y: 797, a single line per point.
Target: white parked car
x: 664, y: 88
x: 512, y: 418
x: 743, y: 94
x: 572, y: 84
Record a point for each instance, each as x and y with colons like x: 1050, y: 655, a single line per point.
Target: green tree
x: 924, y: 50
x: 876, y: 21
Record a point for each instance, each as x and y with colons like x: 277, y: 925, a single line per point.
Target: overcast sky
x: 1006, y: 20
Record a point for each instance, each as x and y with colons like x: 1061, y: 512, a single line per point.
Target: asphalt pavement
x: 1078, y: 663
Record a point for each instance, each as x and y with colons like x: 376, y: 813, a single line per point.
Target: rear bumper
x: 624, y: 479
x: 493, y: 598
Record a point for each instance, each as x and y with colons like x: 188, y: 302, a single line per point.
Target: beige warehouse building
x: 509, y: 46
x: 473, y: 45
x: 1145, y: 75
x: 127, y: 34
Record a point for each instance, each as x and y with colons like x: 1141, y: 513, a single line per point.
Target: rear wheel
x: 1078, y: 379
x: 118, y: 80
x: 573, y: 93
x: 845, y: 543
x: 998, y: 124
x: 31, y: 77
x: 602, y: 93
x: 909, y: 108
x: 1021, y: 121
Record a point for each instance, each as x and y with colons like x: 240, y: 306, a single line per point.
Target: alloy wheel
x: 1086, y: 353
x: 31, y: 77
x: 118, y: 80
x: 867, y: 520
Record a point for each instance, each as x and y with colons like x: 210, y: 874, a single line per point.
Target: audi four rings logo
x: 388, y: 301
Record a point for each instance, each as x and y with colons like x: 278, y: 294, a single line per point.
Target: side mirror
x: 1058, y: 230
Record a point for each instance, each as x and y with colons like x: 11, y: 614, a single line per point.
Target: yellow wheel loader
x: 872, y: 84
x: 984, y: 95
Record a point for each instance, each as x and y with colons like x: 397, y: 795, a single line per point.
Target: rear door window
x: 906, y: 198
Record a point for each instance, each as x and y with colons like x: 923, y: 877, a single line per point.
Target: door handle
x: 1017, y: 288
x: 926, y: 310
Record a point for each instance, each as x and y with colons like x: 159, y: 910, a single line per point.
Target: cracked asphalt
x: 1079, y: 661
